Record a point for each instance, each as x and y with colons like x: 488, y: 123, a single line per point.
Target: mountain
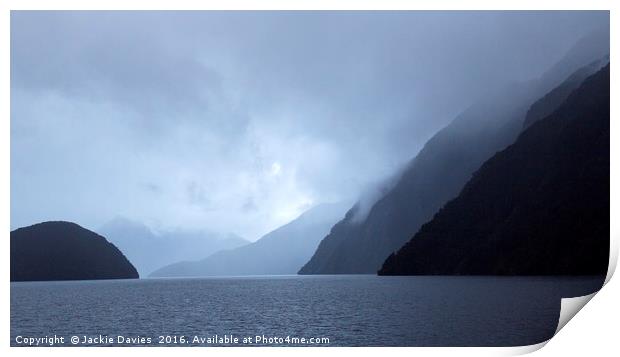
x: 65, y: 251
x: 552, y: 100
x: 149, y: 250
x: 282, y: 251
x: 587, y: 49
x: 440, y: 170
x: 539, y: 207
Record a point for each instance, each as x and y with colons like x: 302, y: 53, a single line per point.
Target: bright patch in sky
x: 275, y: 169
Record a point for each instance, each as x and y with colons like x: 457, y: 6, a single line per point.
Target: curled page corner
x: 523, y: 350
x: 570, y: 307
x: 613, y: 260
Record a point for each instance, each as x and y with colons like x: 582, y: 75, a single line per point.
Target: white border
x: 307, y: 5
x: 594, y: 328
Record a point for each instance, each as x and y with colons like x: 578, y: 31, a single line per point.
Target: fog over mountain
x: 539, y: 207
x: 149, y: 250
x: 447, y: 161
x: 240, y: 121
x: 280, y: 252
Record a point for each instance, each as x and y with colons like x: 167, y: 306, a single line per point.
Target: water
x: 348, y: 310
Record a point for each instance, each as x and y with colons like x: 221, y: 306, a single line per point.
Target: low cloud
x: 238, y: 121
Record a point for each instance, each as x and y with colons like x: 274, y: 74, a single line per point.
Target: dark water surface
x: 348, y: 310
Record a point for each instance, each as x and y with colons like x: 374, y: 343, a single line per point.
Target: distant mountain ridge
x: 440, y: 170
x: 65, y: 251
x: 539, y: 207
x: 282, y: 251
x: 552, y: 100
x: 149, y: 250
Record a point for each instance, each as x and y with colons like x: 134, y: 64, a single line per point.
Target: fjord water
x: 349, y: 310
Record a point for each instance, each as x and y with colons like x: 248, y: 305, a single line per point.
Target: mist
x: 238, y: 122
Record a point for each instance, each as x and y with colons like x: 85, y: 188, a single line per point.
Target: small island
x: 65, y: 251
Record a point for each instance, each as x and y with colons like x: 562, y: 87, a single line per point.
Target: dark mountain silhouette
x: 65, y: 251
x: 439, y: 171
x: 433, y: 177
x: 282, y: 251
x: 539, y: 207
x: 149, y: 250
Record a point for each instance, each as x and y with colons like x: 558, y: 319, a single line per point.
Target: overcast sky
x: 239, y: 121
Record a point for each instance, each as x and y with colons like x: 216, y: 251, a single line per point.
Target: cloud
x: 238, y: 121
